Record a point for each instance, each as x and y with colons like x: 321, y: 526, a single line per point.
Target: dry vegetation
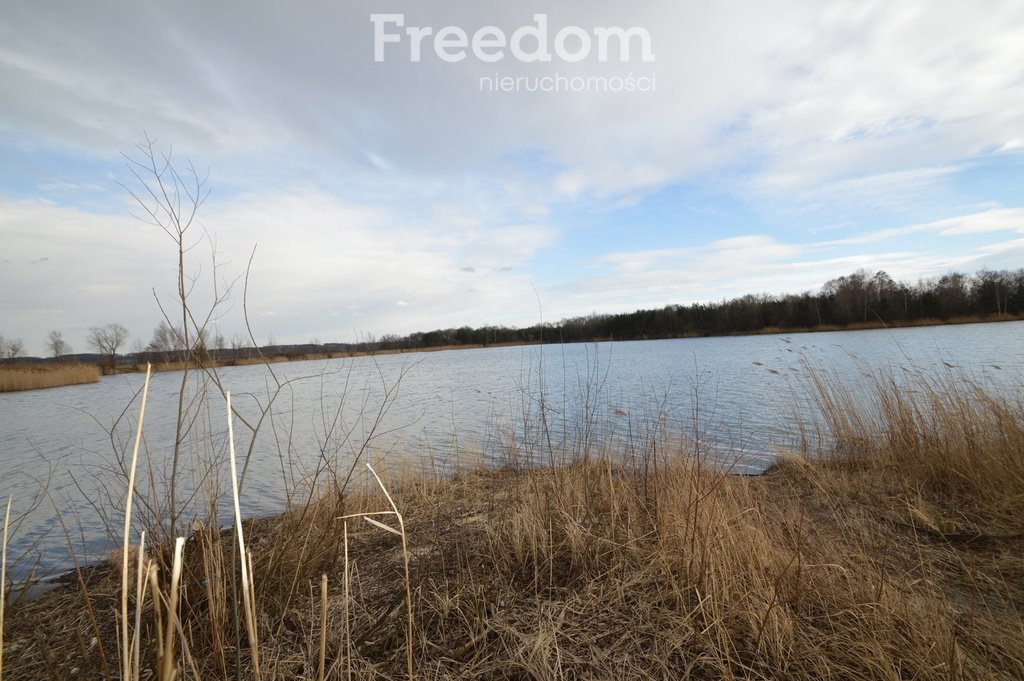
x: 31, y: 376
x: 896, y: 555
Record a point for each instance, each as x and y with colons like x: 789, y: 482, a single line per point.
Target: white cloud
x: 991, y: 220
x: 366, y: 185
x: 816, y: 94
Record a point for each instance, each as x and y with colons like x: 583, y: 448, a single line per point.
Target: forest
x: 862, y: 299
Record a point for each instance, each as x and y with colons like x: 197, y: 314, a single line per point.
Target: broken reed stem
x: 405, y: 559
x: 126, y: 663
x: 323, y: 625
x: 168, y: 668
x: 248, y: 603
x: 3, y: 585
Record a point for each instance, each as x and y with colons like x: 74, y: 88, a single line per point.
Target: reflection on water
x: 740, y: 396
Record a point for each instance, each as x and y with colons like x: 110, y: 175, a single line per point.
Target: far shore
x: 766, y: 331
x: 31, y: 376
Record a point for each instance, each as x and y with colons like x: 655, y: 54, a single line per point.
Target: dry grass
x: 948, y: 442
x: 896, y: 555
x: 32, y: 376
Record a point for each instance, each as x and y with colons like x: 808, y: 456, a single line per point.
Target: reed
x: 14, y: 377
x: 322, y: 650
x: 245, y: 557
x: 944, y: 436
x: 168, y: 662
x: 127, y: 663
x: 3, y: 583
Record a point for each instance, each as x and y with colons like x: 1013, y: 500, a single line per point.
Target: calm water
x: 743, y: 395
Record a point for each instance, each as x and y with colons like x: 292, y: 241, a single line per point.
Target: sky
x: 392, y: 166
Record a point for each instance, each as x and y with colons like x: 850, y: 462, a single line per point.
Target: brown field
x: 32, y: 376
x: 896, y: 553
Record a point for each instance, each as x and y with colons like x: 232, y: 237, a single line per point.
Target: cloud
x: 814, y: 94
x: 368, y: 183
x: 991, y: 220
x: 71, y: 270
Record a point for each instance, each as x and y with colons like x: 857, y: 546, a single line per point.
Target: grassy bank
x: 32, y: 376
x: 895, y: 553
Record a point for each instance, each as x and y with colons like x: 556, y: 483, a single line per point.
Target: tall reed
x: 14, y: 377
x: 3, y: 583
x: 127, y: 663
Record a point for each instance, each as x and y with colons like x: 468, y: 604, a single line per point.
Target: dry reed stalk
x: 346, y: 631
x: 168, y: 665
x: 154, y: 587
x: 216, y: 596
x: 405, y: 558
x: 3, y: 585
x: 126, y: 664
x: 140, y: 596
x: 248, y: 599
x: 185, y: 649
x: 323, y: 626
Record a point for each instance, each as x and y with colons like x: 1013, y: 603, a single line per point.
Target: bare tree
x: 169, y: 198
x: 56, y: 344
x: 241, y: 345
x: 219, y: 342
x: 167, y: 338
x: 12, y: 348
x: 106, y: 340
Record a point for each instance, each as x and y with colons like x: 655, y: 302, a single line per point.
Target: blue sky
x: 783, y: 144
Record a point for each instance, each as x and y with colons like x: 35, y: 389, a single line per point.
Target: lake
x: 739, y: 396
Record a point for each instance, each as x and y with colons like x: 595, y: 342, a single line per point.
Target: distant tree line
x: 861, y: 298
